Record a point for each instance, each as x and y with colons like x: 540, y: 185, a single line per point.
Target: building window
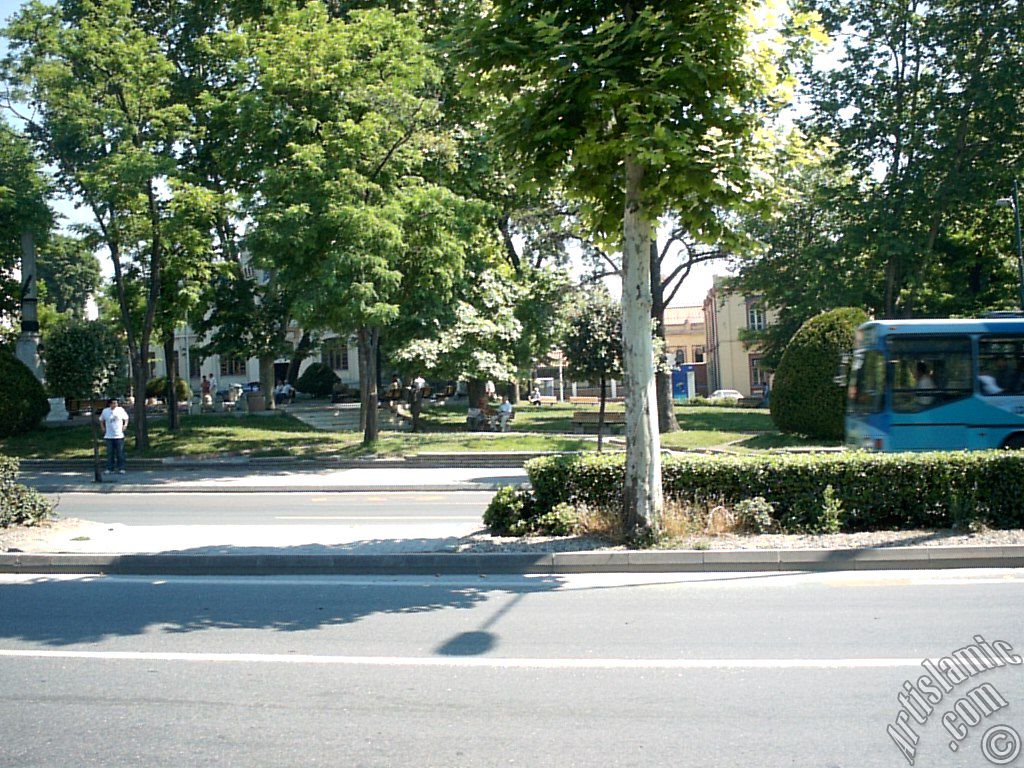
x: 152, y: 365
x: 698, y: 354
x: 334, y: 353
x: 232, y: 365
x: 681, y: 356
x: 756, y: 320
x: 195, y: 364
x: 758, y: 376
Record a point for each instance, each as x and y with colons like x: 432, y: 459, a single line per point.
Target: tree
x: 637, y: 108
x: 926, y: 118
x: 338, y: 175
x: 593, y: 344
x: 84, y: 361
x: 23, y: 209
x: 69, y: 269
x: 112, y: 127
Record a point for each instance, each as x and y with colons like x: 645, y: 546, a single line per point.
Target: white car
x: 726, y: 394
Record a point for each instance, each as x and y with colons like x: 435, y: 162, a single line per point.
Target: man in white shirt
x: 115, y: 420
x: 504, y: 414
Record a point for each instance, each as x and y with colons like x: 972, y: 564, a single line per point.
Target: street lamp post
x: 1014, y: 203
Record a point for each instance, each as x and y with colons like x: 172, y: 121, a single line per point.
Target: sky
x: 692, y: 293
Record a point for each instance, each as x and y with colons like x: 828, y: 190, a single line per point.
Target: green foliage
x: 318, y: 380
x: 84, y: 359
x: 508, y: 507
x: 69, y: 269
x: 23, y: 208
x: 593, y: 338
x: 805, y: 398
x: 514, y: 512
x: 756, y: 514
x: 869, y: 491
x: 22, y: 398
x: 19, y: 505
x: 158, y: 388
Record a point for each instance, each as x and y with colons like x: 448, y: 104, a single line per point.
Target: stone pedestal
x: 57, y: 410
x: 27, y: 350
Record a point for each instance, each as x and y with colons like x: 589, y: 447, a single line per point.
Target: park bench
x: 586, y: 421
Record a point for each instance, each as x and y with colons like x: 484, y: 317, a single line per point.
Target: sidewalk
x: 295, y: 478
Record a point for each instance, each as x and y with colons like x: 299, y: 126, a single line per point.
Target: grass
x: 771, y: 440
x: 544, y: 428
x: 279, y: 435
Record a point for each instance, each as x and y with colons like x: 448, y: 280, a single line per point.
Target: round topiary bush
x: 85, y: 359
x: 805, y: 397
x: 317, y: 380
x: 22, y: 397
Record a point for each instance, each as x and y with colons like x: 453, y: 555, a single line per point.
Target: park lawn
x: 698, y: 438
x: 278, y: 435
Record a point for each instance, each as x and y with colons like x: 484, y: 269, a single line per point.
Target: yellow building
x: 732, y: 364
x: 685, y: 336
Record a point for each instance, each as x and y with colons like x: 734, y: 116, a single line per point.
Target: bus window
x: 867, y: 382
x: 927, y: 372
x: 1001, y: 366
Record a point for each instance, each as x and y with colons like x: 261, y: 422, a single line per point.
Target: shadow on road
x: 91, y: 610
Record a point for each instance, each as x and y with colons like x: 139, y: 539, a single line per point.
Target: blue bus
x: 924, y: 385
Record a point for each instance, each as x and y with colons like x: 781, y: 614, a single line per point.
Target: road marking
x: 478, y: 662
x: 377, y: 517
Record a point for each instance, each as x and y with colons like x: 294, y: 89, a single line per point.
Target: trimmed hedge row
x: 875, y: 491
x: 19, y: 505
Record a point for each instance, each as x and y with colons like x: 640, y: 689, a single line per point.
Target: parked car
x: 726, y: 394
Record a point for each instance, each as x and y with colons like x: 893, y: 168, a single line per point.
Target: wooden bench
x: 586, y: 421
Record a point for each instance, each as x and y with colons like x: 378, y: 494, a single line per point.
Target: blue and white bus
x: 923, y: 385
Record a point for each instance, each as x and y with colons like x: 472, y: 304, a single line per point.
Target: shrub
x: 317, y: 380
x: 563, y: 520
x: 158, y: 388
x: 805, y: 398
x: 508, y: 507
x: 22, y: 397
x: 85, y: 359
x: 756, y: 514
x: 19, y: 505
x: 872, y: 491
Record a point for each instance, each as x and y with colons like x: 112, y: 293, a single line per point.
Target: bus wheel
x: 1014, y: 442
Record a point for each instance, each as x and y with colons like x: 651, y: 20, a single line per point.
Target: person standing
x: 115, y: 420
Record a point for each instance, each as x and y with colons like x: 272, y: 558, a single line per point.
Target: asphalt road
x: 701, y: 670
x: 351, y: 508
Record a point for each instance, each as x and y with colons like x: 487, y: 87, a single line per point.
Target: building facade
x: 732, y: 362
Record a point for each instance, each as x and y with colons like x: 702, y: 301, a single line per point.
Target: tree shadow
x: 95, y: 609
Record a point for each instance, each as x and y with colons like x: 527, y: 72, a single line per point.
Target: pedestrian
x: 115, y: 420
x: 205, y: 387
x: 504, y: 414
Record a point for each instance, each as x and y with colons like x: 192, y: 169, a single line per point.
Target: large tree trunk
x: 267, y: 382
x: 666, y: 412
x: 300, y: 353
x: 642, y: 498
x: 475, y: 391
x: 171, y: 364
x: 600, y: 417
x: 368, y: 340
x: 139, y: 377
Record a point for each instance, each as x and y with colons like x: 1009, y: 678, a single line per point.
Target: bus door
x: 1000, y: 381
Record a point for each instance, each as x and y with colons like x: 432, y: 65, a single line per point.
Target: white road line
x: 468, y: 661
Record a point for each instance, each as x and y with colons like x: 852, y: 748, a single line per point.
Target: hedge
x: 23, y: 401
x: 19, y: 505
x: 875, y: 491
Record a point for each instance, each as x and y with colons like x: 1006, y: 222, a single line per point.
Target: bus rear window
x: 927, y: 372
x: 866, y: 393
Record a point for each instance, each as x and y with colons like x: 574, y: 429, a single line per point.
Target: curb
x: 104, y: 488
x: 619, y: 561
